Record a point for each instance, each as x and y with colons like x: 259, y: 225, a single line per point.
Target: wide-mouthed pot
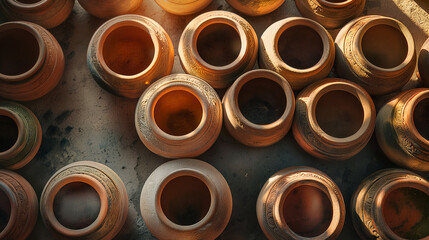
x: 424, y: 64
x: 255, y: 7
x: 128, y: 53
x: 183, y: 7
x: 110, y: 8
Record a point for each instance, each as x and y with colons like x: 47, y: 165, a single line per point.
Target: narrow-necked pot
x: 110, y: 8
x: 186, y: 7
x: 424, y: 64
x: 255, y: 7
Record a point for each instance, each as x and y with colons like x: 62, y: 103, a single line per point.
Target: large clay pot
x: 334, y: 119
x: 403, y: 130
x: 179, y: 116
x: 331, y: 13
x: 186, y: 199
x: 259, y: 108
x: 46, y: 13
x: 391, y: 204
x: 109, y: 8
x: 185, y: 7
x: 255, y: 7
x: 31, y: 61
x: 365, y: 57
x: 299, y: 49
x: 300, y: 203
x: 18, y: 206
x: 218, y: 47
x: 84, y: 200
x: 424, y: 64
x: 21, y: 135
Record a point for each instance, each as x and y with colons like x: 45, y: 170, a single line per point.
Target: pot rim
x: 342, y: 4
x: 29, y: 6
x: 13, y: 211
x: 17, y: 146
x: 409, y: 118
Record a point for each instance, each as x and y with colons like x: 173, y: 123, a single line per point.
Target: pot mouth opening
x: 9, y: 133
x: 5, y: 210
x: 420, y: 118
x: 336, y: 3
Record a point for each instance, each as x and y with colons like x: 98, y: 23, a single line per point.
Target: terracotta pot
x: 299, y: 49
x: 179, y: 116
x: 259, y: 108
x: 128, y: 53
x: 365, y: 57
x: 391, y: 204
x: 218, y: 46
x: 21, y: 135
x: 334, y: 119
x: 300, y: 203
x: 186, y: 199
x: 109, y: 8
x: 84, y: 200
x: 186, y: 7
x: 255, y: 7
x: 46, y: 13
x: 331, y: 13
x: 31, y: 61
x: 424, y: 64
x: 18, y: 206
x: 403, y: 130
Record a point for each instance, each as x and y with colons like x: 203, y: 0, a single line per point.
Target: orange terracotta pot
x: 110, y: 8
x: 255, y: 7
x: 185, y: 7
x: 424, y: 64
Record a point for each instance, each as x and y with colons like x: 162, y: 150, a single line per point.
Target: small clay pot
x: 300, y: 203
x: 334, y: 119
x: 186, y: 199
x: 179, y: 116
x: 299, y: 49
x: 84, y: 200
x: 403, y: 131
x: 109, y: 8
x: 259, y: 108
x: 364, y: 56
x: 391, y: 204
x: 46, y: 13
x: 424, y: 64
x: 218, y: 46
x: 185, y: 7
x: 31, y: 61
x: 18, y: 206
x: 331, y: 13
x: 255, y: 7
x: 127, y: 53
x: 21, y: 135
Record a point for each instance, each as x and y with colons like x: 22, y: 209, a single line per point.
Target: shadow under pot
x: 424, y: 64
x: 31, y: 61
x: 258, y: 108
x: 18, y: 206
x: 109, y: 8
x: 21, y: 135
x: 186, y: 199
x: 218, y: 46
x: 364, y: 56
x: 179, y: 116
x: 84, y: 200
x: 391, y: 204
x: 334, y: 119
x: 298, y: 203
x: 128, y: 53
x: 184, y: 7
x: 255, y: 7
x: 299, y: 49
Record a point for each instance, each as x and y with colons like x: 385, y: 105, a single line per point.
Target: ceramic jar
x: 299, y: 49
x: 365, y: 57
x: 424, y: 64
x: 258, y: 108
x: 179, y: 116
x: 218, y: 46
x: 31, y: 61
x: 331, y: 13
x: 300, y: 203
x: 186, y: 7
x: 46, y: 13
x: 334, y: 119
x: 403, y: 131
x: 109, y: 8
x: 391, y: 204
x: 127, y: 53
x: 255, y: 7
x: 186, y: 199
x: 84, y: 200
x: 21, y: 135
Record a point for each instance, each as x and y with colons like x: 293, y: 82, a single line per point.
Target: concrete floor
x: 81, y: 121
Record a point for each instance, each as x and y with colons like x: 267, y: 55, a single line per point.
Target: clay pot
x: 218, y: 46
x: 109, y: 8
x: 31, y: 61
x: 84, y: 200
x: 424, y: 64
x: 18, y: 206
x: 259, y: 108
x: 127, y: 53
x: 403, y: 131
x: 186, y: 199
x: 331, y: 13
x: 255, y: 7
x: 21, y: 135
x: 300, y: 203
x: 186, y: 7
x: 391, y: 204
x: 179, y: 116
x: 299, y: 49
x: 334, y: 119
x: 365, y: 57
x: 46, y: 13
